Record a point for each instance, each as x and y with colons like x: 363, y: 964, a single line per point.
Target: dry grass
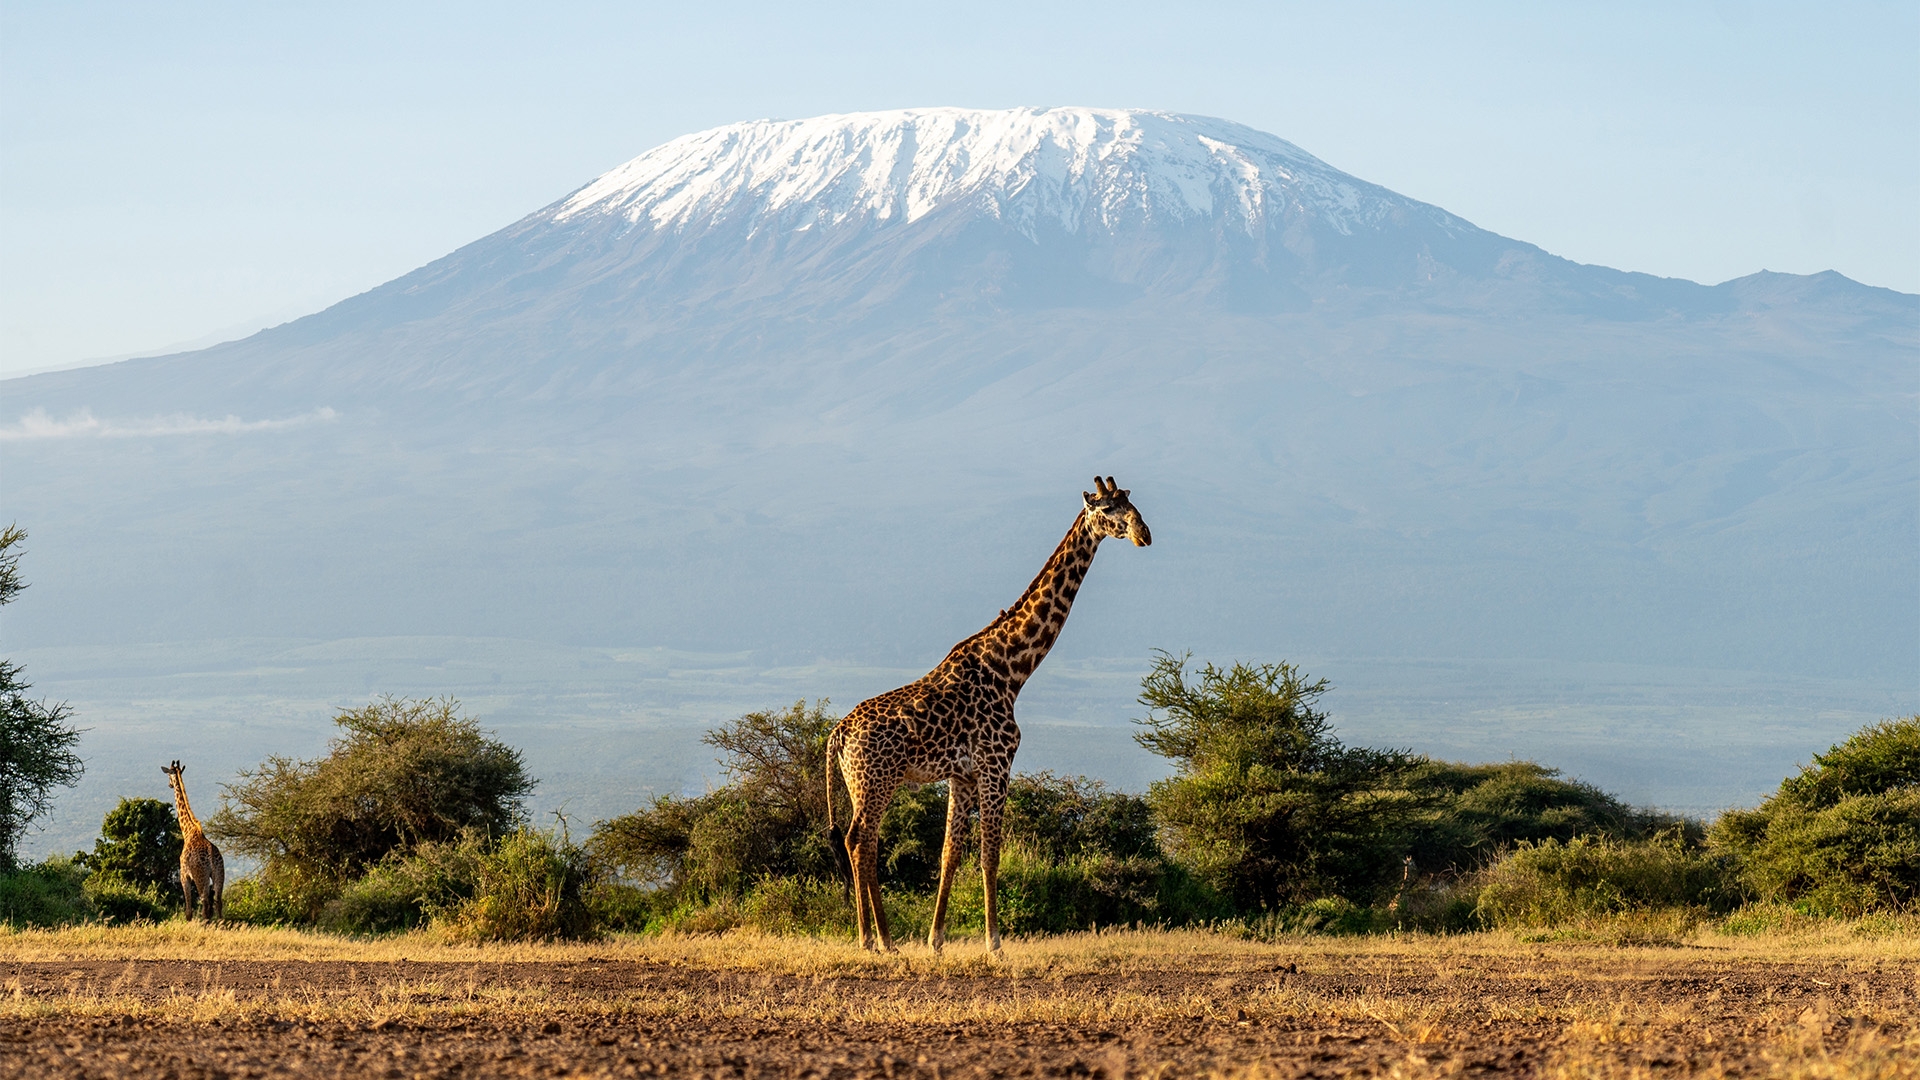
x: 1882, y: 940
x: 1827, y: 1000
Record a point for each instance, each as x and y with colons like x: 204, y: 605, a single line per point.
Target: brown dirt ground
x: 1695, y: 1016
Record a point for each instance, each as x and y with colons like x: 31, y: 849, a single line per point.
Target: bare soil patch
x: 1256, y: 1011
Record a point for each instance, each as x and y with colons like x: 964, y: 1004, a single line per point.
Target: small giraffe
x: 201, y: 866
x: 956, y: 724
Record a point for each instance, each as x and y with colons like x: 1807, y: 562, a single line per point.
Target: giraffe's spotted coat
x: 956, y: 723
x: 201, y: 867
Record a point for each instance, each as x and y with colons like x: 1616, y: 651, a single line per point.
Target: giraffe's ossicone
x: 203, y: 873
x: 956, y: 724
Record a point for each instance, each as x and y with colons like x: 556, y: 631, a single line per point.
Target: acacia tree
x: 36, y: 742
x: 402, y: 773
x: 1267, y: 805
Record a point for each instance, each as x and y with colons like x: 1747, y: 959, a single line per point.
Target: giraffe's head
x: 174, y: 772
x: 1109, y: 513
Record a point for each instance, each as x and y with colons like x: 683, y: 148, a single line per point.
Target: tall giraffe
x: 201, y: 866
x: 956, y: 724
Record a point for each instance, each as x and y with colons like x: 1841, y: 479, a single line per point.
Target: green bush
x: 139, y: 848
x: 532, y: 886
x: 913, y: 832
x: 799, y: 906
x: 621, y: 907
x: 1267, y: 806
x: 1330, y: 915
x: 115, y: 900
x: 768, y: 821
x: 1550, y: 883
x: 1843, y: 836
x: 262, y: 903
x: 1054, y: 817
x: 1042, y: 894
x: 405, y: 773
x: 1059, y: 817
x: 51, y: 893
x: 1470, y: 813
x: 408, y: 890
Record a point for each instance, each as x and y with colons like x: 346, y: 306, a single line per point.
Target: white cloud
x: 83, y: 424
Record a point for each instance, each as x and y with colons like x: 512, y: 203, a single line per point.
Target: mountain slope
x: 829, y: 386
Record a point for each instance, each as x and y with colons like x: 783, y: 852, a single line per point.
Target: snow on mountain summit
x: 1068, y: 167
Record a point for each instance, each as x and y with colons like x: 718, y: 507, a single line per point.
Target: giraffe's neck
x: 189, y: 825
x: 1015, y: 643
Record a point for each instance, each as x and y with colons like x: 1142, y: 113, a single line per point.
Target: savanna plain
x: 1823, y: 998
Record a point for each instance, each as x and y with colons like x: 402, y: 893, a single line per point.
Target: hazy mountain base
x: 603, y: 728
x: 1728, y: 492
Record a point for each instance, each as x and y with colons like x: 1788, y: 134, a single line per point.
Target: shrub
x: 263, y: 903
x: 1330, y: 915
x: 409, y: 889
x: 1470, y: 813
x: 51, y: 893
x: 1040, y: 894
x: 1550, y: 882
x: 1843, y: 836
x: 624, y: 907
x: 531, y: 886
x: 113, y: 899
x: 1063, y: 816
x: 1268, y: 806
x: 649, y: 847
x: 405, y: 773
x: 913, y: 832
x: 139, y: 846
x: 804, y: 906
x: 768, y: 821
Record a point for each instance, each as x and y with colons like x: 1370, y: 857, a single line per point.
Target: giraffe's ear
x: 1087, y: 497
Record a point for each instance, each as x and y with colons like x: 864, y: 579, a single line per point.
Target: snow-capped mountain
x: 1035, y: 169
x: 827, y: 389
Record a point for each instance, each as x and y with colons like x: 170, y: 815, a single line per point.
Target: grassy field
x: 1824, y: 999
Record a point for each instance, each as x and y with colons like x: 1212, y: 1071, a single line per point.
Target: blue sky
x: 175, y: 173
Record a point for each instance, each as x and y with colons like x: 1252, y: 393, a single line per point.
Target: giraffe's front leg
x: 960, y: 800
x: 993, y: 799
x: 186, y: 887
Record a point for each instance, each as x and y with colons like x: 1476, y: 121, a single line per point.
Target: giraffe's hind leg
x: 875, y: 905
x: 217, y: 889
x: 857, y: 862
x: 960, y: 798
x: 863, y: 851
